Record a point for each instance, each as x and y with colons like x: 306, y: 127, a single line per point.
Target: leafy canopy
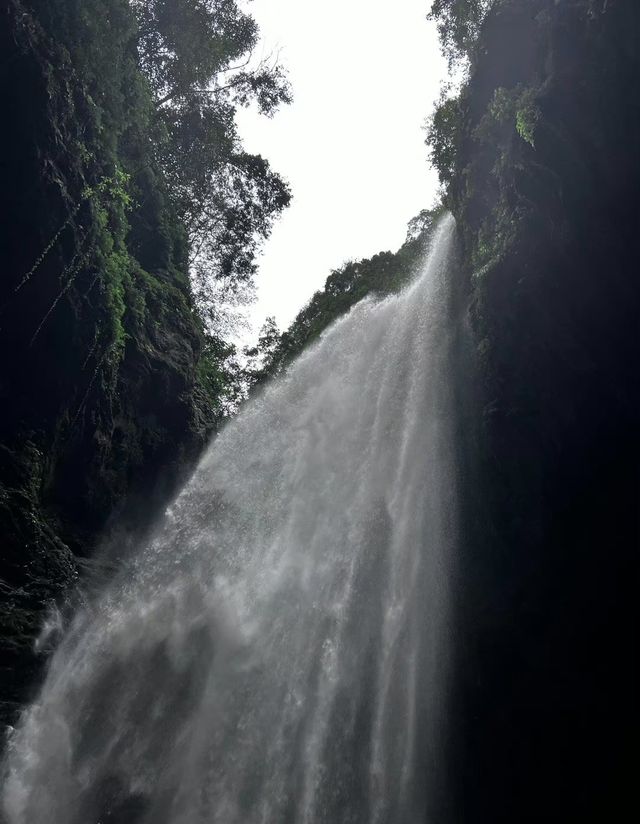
x: 381, y: 275
x: 197, y: 58
x: 443, y: 129
x: 459, y: 24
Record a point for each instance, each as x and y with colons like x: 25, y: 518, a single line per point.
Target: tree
x: 260, y: 358
x: 184, y: 44
x: 443, y: 129
x: 196, y: 56
x: 423, y: 224
x: 459, y: 24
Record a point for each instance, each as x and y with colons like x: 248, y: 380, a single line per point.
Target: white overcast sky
x: 365, y: 75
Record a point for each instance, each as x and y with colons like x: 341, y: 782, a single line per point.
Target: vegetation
x: 459, y: 23
x: 443, y: 136
x: 162, y: 116
x: 196, y: 57
x: 133, y: 217
x: 381, y: 275
x: 132, y: 214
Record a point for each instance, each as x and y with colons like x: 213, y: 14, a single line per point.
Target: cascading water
x: 277, y: 651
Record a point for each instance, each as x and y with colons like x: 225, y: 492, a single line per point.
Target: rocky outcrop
x: 544, y: 189
x: 102, y: 405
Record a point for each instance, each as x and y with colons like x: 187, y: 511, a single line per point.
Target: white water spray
x: 277, y: 652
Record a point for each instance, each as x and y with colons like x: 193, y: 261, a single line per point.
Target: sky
x: 365, y: 75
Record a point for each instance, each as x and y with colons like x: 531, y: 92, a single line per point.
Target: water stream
x: 277, y: 651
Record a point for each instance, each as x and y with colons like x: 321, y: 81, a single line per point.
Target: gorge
x: 400, y: 585
x: 278, y: 649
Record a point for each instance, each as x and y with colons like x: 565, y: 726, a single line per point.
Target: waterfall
x: 276, y: 651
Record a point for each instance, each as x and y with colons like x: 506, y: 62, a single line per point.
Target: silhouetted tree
x: 458, y: 24
x: 197, y: 58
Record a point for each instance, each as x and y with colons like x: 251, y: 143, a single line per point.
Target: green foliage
x: 515, y: 108
x: 184, y: 43
x: 164, y: 180
x: 135, y: 218
x: 459, y: 24
x: 443, y: 136
x: 493, y: 240
x: 381, y: 275
x: 221, y: 376
x: 502, y: 105
x: 261, y: 357
x: 115, y: 188
x: 422, y: 225
x: 196, y: 55
x: 527, y: 116
x: 499, y: 115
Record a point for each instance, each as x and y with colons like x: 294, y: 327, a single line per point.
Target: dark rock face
x: 100, y: 406
x: 545, y: 191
